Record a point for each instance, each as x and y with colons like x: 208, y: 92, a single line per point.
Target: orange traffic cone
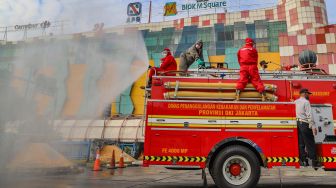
x: 112, y: 163
x: 96, y: 166
x: 121, y: 160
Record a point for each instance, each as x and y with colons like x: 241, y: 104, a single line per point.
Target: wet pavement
x: 157, y: 177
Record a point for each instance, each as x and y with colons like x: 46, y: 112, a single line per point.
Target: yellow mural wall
x: 272, y: 57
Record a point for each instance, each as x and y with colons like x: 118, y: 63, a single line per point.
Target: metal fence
x: 75, y: 150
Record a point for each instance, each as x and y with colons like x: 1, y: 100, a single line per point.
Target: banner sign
x: 204, y: 4
x: 43, y: 25
x: 170, y: 9
x: 134, y: 11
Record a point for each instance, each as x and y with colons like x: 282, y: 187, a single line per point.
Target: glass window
x: 229, y: 35
x: 220, y: 36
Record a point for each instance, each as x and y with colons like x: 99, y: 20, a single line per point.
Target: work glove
x: 200, y: 63
x: 222, y: 75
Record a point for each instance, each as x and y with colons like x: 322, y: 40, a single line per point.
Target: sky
x: 81, y: 15
x: 331, y: 4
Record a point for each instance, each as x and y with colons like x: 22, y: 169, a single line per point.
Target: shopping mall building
x: 281, y: 33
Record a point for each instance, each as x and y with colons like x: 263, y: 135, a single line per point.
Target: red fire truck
x: 192, y: 121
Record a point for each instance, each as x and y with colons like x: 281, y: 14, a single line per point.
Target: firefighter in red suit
x: 248, y: 61
x: 168, y: 63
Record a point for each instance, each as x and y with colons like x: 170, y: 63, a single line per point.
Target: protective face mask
x: 164, y: 54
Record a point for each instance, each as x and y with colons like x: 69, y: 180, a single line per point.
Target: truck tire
x: 236, y: 166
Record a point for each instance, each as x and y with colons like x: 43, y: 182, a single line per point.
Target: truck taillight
x: 157, y: 82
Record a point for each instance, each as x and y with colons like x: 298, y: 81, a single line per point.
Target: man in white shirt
x: 306, y: 129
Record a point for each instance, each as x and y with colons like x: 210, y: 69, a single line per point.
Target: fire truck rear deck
x: 193, y: 122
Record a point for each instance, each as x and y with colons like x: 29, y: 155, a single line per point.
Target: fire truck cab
x: 193, y: 122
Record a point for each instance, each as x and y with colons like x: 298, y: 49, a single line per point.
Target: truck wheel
x: 236, y: 166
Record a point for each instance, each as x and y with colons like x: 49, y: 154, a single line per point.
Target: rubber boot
x: 237, y: 95
x: 316, y: 164
x: 304, y: 162
x: 263, y: 96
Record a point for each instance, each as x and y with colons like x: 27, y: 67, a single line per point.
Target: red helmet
x: 249, y: 41
x: 166, y: 49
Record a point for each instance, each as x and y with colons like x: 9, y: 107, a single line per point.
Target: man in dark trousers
x: 248, y: 61
x: 193, y: 54
x: 168, y: 63
x: 306, y: 129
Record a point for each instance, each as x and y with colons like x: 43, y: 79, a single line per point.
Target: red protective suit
x: 168, y: 63
x: 248, y: 60
x: 289, y: 67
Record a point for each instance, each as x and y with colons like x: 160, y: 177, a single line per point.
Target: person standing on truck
x: 306, y: 129
x: 193, y: 54
x: 248, y: 61
x: 168, y: 63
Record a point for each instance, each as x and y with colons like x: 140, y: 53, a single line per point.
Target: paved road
x: 137, y: 177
